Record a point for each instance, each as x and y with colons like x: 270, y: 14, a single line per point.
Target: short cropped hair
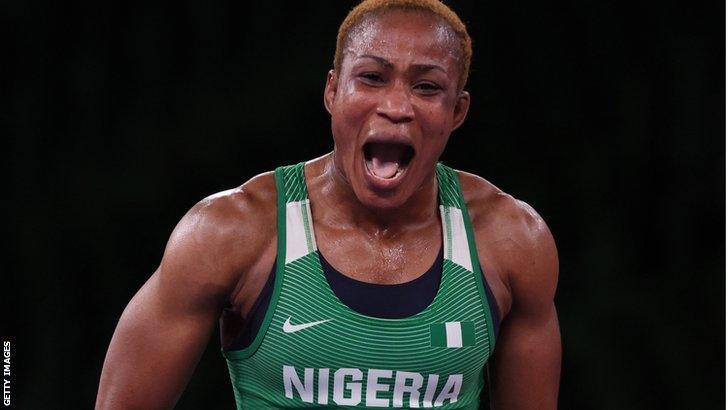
x: 376, y: 7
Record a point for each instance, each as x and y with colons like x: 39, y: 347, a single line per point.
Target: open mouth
x: 387, y: 160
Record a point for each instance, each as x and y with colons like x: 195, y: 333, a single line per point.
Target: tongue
x: 385, y: 160
x: 384, y: 169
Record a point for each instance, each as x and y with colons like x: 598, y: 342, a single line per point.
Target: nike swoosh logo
x: 289, y: 328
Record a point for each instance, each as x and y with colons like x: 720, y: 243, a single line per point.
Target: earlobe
x: 461, y: 109
x: 330, y: 90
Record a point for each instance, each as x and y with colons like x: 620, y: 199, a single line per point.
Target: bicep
x: 527, y: 359
x: 157, y: 343
x: 167, y: 324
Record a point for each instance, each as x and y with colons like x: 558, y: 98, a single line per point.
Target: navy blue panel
x: 386, y: 301
x: 494, y: 311
x: 238, y: 333
x: 371, y: 299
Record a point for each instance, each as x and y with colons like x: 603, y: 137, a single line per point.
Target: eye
x: 427, y: 88
x: 372, y: 78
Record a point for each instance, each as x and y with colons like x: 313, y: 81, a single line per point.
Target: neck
x: 345, y: 208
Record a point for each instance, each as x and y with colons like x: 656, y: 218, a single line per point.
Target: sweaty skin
x: 396, y: 83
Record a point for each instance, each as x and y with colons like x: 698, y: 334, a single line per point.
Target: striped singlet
x: 312, y: 350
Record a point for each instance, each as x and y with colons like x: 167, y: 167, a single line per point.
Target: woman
x: 317, y: 269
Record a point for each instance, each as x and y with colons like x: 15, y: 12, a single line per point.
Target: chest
x: 377, y: 259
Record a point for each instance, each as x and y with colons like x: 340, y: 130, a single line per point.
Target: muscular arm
x: 519, y: 258
x: 166, y: 326
x: 527, y: 359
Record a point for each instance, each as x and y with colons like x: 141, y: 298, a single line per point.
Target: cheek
x: 345, y: 125
x: 353, y: 103
x: 435, y: 124
x: 350, y: 114
x: 437, y: 121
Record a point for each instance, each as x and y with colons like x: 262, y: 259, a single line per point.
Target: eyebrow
x: 380, y: 60
x: 422, y: 68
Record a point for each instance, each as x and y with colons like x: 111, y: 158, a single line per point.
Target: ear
x: 461, y: 109
x: 332, y: 82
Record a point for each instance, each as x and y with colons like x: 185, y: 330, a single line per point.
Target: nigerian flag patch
x: 452, y: 334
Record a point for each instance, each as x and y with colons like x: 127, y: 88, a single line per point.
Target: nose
x: 395, y: 104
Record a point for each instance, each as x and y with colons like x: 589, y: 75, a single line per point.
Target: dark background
x: 607, y: 117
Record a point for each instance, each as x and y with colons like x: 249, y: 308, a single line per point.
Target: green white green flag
x: 452, y: 334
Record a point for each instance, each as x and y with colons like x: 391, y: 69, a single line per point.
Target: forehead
x: 404, y: 35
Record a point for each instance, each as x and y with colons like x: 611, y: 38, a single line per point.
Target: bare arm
x: 166, y: 326
x: 527, y: 359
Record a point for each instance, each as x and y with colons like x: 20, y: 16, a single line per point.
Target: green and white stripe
x: 299, y: 235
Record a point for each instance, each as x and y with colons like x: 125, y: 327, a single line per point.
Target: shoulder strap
x: 449, y: 187
x: 459, y: 236
x: 293, y: 182
x: 292, y: 194
x: 295, y: 227
x: 459, y: 240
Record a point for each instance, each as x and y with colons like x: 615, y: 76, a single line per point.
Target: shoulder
x: 224, y: 234
x: 502, y: 214
x: 513, y: 238
x: 225, y: 215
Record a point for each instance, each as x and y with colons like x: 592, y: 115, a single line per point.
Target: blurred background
x: 607, y: 117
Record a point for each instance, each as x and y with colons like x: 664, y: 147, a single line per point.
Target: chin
x: 378, y: 202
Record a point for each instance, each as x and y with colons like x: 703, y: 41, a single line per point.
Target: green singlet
x: 314, y: 351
